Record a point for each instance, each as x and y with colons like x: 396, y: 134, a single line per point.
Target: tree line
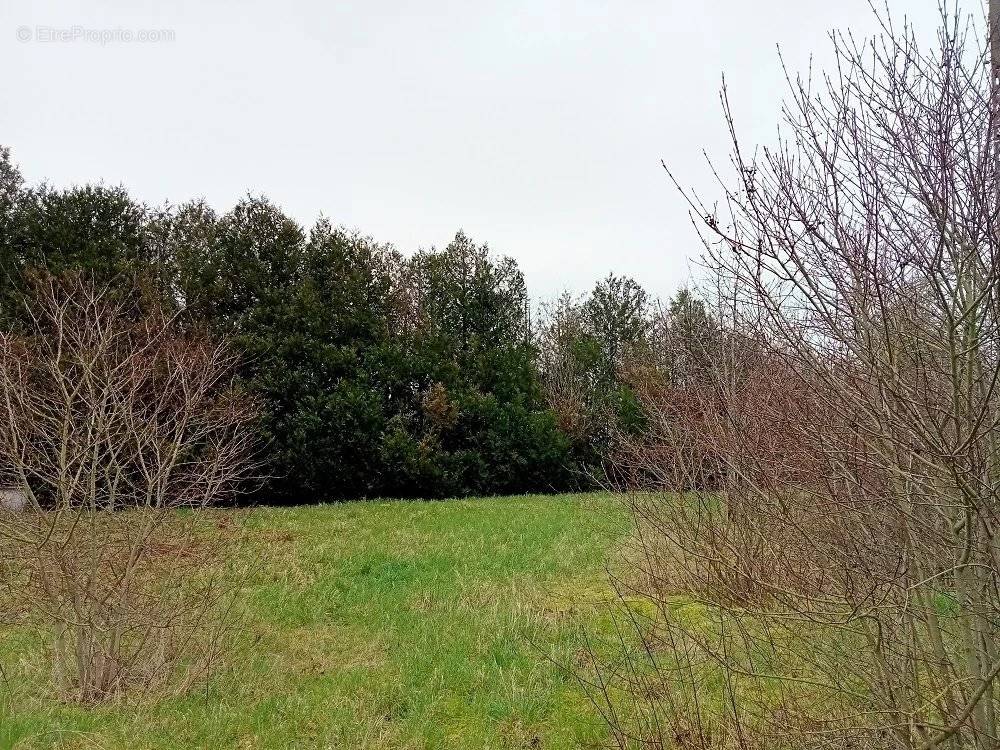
x: 379, y: 374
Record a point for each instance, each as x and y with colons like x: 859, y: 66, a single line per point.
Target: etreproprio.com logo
x: 93, y: 35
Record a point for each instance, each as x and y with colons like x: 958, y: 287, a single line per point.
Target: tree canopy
x: 379, y: 373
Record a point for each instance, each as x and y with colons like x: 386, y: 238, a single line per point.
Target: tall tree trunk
x: 994, y: 31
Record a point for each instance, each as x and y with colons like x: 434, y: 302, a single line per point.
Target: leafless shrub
x: 112, y: 422
x: 840, y: 582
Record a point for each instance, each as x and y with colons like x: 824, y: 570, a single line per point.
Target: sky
x: 537, y: 126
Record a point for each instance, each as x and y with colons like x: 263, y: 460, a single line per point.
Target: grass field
x: 380, y: 625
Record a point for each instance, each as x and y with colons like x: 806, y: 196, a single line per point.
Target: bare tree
x: 565, y: 378
x: 111, y: 421
x: 842, y: 588
x: 993, y: 22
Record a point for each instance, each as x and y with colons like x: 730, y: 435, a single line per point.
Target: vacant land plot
x: 379, y: 625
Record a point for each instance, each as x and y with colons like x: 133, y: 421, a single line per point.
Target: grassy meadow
x: 378, y: 625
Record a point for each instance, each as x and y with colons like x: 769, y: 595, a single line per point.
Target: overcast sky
x: 537, y: 126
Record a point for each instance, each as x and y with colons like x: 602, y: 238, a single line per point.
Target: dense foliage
x: 381, y: 374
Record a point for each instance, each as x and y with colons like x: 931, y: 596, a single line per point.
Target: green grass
x: 382, y: 625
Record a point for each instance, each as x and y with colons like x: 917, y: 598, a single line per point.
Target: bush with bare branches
x: 112, y: 421
x: 840, y: 587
